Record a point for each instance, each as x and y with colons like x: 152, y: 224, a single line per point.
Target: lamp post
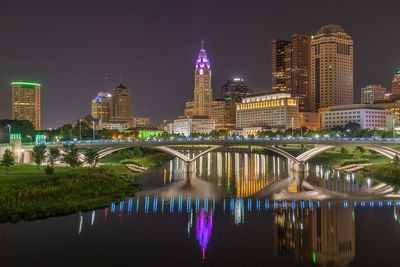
x: 80, y: 130
x: 93, y: 129
x: 394, y: 131
x: 292, y: 125
x: 9, y: 133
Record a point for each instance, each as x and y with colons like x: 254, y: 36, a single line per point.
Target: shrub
x: 49, y: 170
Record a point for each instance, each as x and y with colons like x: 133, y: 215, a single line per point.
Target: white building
x: 367, y: 115
x: 271, y: 111
x: 191, y: 126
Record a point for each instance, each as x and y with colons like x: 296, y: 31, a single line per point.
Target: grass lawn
x: 26, y: 193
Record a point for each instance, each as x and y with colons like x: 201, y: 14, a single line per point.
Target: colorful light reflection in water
x: 203, y: 229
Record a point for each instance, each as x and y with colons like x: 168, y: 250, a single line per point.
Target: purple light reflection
x: 203, y: 229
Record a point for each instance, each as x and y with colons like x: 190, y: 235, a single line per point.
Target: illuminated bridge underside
x: 321, y: 145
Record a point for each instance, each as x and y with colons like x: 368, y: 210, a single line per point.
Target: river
x: 235, y: 210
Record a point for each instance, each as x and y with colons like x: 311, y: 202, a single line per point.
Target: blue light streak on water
x: 224, y: 205
x: 188, y: 204
x: 180, y: 204
x: 232, y: 205
x: 130, y: 205
x: 284, y: 204
x: 146, y: 204
x: 310, y: 204
x: 206, y: 204
x: 267, y: 204
x: 155, y: 203
x: 275, y: 204
x: 171, y: 205
x: 293, y: 204
x: 162, y: 205
x: 113, y: 207
x: 197, y: 204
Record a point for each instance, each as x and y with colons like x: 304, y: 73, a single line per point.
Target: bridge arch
x: 385, y: 151
x: 165, y: 149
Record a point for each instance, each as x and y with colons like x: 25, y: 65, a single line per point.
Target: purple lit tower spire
x: 202, y: 85
x: 203, y: 230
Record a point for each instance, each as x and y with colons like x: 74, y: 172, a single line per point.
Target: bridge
x: 22, y: 151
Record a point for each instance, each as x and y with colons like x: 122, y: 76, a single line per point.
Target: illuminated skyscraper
x: 202, y: 85
x: 396, y: 83
x: 278, y: 65
x: 26, y: 102
x: 291, y: 67
x: 331, y: 68
x: 101, y: 106
x: 122, y: 105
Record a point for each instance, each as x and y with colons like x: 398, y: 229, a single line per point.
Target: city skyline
x: 73, y: 66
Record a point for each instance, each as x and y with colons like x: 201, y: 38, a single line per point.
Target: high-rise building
x: 371, y: 93
x: 101, y: 106
x: 202, y: 85
x: 26, y: 102
x: 396, y: 83
x: 279, y: 48
x: 331, y: 68
x: 122, y: 105
x: 291, y: 67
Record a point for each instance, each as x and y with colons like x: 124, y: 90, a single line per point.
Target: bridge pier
x: 189, y: 167
x: 297, y: 166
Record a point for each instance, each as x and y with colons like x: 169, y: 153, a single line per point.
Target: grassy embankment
x: 388, y: 173
x: 27, y: 193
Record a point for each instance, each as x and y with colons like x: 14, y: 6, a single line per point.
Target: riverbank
x: 388, y: 173
x: 27, y: 193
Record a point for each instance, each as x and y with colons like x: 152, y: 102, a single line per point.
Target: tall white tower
x: 202, y: 85
x: 331, y: 68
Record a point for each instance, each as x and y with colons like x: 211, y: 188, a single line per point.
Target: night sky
x: 77, y: 48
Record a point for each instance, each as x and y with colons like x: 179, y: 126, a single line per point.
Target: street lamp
x: 93, y: 129
x: 80, y: 130
x: 394, y: 131
x: 292, y: 126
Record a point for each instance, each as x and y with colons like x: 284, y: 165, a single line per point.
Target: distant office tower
x: 396, y: 83
x: 291, y: 68
x: 202, y: 85
x: 224, y: 110
x: 101, y: 107
x: 279, y: 48
x: 26, y: 102
x: 122, y: 105
x: 331, y: 68
x: 371, y: 93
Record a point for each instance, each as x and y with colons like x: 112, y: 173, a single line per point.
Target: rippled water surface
x: 235, y: 210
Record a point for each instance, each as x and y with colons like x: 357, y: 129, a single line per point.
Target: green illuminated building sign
x: 26, y: 84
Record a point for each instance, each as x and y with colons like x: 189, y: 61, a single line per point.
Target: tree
x: 7, y: 160
x: 39, y: 154
x: 71, y: 156
x: 52, y: 155
x: 92, y: 157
